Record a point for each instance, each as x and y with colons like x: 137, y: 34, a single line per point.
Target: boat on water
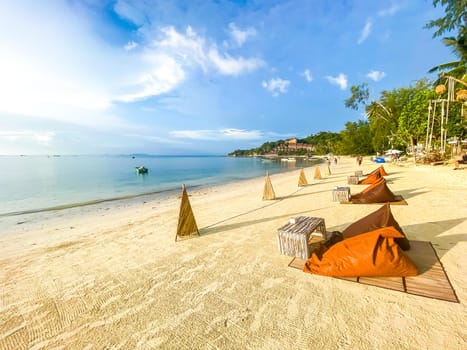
x: 288, y: 159
x: 141, y: 169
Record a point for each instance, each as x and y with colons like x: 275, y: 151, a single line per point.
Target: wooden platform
x: 432, y: 281
x: 399, y: 201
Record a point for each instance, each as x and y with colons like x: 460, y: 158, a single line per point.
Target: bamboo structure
x: 444, y: 105
x: 186, y: 220
x: 302, y: 181
x: 268, y: 192
x: 317, y: 173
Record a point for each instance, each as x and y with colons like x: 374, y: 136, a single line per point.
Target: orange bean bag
x: 379, y: 170
x: 377, y: 192
x: 370, y: 179
x: 380, y: 218
x: 373, y: 253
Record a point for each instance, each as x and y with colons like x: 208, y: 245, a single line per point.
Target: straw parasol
x: 186, y: 219
x: 317, y: 173
x: 328, y: 170
x: 268, y: 192
x: 302, y: 181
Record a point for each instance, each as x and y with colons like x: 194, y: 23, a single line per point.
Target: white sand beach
x: 111, y: 276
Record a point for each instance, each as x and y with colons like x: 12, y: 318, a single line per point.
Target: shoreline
x: 111, y: 274
x: 162, y: 189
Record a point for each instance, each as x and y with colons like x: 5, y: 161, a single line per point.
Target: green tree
x: 324, y: 142
x: 413, y: 117
x: 356, y: 138
x: 459, y: 49
x: 359, y: 95
x: 454, y: 20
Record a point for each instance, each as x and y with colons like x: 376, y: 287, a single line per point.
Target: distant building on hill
x: 293, y: 146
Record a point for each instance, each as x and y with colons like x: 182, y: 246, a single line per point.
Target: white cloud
x: 192, y: 49
x: 39, y: 137
x: 389, y: 11
x: 130, y: 11
x: 233, y: 66
x: 376, y: 75
x: 340, y: 80
x: 130, y: 46
x: 164, y: 76
x: 80, y: 81
x: 240, y: 36
x: 276, y: 86
x: 365, y: 32
x: 221, y: 134
x: 307, y: 74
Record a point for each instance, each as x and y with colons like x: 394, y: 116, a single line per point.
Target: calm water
x: 38, y: 182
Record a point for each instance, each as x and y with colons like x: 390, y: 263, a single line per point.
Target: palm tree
x: 459, y: 48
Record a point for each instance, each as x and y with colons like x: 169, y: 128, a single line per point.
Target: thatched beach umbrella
x: 268, y: 192
x: 317, y: 173
x: 186, y: 219
x: 302, y: 181
x: 328, y: 170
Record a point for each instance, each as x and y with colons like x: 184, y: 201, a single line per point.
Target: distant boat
x: 141, y: 169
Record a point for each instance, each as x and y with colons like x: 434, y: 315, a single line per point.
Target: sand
x: 111, y: 276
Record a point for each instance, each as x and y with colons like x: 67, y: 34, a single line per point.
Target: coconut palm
x: 459, y: 48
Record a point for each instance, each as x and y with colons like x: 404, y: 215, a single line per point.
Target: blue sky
x: 198, y: 77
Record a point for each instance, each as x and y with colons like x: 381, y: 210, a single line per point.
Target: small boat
x: 141, y: 169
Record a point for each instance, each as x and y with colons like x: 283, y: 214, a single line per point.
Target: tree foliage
x: 359, y: 95
x: 454, y: 19
x: 356, y: 138
x: 325, y: 142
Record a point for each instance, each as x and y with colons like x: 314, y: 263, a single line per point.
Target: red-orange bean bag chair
x: 379, y: 170
x: 377, y: 192
x: 373, y: 253
x: 370, y: 179
x: 380, y: 218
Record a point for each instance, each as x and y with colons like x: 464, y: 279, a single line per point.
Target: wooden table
x: 341, y: 194
x: 298, y: 239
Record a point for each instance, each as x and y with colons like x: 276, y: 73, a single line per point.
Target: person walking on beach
x: 335, y: 160
x: 359, y: 160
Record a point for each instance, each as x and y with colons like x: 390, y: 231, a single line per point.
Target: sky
x: 198, y: 76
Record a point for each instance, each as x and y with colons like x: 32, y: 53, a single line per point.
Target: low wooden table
x: 341, y: 194
x: 298, y: 239
x: 352, y: 180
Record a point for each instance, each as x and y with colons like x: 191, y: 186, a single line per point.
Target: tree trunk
x: 413, y: 150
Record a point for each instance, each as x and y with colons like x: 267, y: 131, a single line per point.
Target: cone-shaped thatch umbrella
x: 302, y: 181
x: 317, y: 173
x: 328, y: 170
x: 186, y: 219
x: 268, y: 192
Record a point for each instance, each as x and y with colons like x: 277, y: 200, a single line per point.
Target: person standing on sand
x: 335, y: 160
x: 359, y: 160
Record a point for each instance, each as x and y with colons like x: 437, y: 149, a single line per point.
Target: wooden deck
x: 432, y: 281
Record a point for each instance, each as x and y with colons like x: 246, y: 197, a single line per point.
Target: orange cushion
x: 377, y: 192
x: 370, y: 179
x: 370, y: 254
x: 380, y: 218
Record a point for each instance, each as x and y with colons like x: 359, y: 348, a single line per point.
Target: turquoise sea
x: 35, y: 183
